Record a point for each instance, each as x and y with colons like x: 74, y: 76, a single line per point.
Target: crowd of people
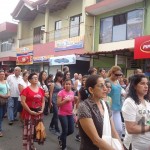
x: 98, y: 104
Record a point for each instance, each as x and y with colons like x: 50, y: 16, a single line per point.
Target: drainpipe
x: 93, y: 43
x: 116, y: 59
x: 46, y: 25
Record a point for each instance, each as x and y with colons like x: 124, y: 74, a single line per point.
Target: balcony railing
x: 64, y: 33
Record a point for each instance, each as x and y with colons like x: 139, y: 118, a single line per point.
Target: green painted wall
x: 118, y: 11
x: 147, y: 18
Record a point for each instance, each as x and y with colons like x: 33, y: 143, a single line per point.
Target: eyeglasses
x: 108, y: 87
x: 118, y: 75
x: 34, y: 78
x: 101, y: 86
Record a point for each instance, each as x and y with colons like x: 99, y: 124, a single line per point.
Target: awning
x: 7, y: 59
x: 122, y: 52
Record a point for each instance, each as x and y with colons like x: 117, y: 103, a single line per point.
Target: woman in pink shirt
x: 65, y: 101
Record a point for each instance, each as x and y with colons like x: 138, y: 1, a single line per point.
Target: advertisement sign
x: 142, y: 47
x: 63, y: 60
x: 38, y: 59
x: 24, y: 55
x: 70, y: 43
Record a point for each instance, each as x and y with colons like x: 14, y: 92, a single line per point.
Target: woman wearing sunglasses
x: 115, y: 94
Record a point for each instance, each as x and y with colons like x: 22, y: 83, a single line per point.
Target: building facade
x: 117, y: 24
x: 54, y: 30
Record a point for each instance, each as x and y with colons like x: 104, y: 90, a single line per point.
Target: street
x: 12, y: 139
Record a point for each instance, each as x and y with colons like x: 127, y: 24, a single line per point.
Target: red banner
x: 142, y: 47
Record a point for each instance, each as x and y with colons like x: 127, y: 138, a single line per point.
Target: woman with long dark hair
x: 136, y: 112
x: 42, y: 84
x: 54, y: 89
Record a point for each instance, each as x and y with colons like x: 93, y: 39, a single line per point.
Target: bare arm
x: 50, y: 94
x: 134, y: 128
x: 20, y: 87
x: 60, y: 102
x: 89, y: 128
x: 76, y: 84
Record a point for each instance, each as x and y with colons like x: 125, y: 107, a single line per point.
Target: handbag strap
x: 106, y: 122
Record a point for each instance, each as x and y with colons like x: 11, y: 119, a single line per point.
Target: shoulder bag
x: 107, y: 136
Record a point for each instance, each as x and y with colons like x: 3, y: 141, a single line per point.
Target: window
x: 106, y: 30
x: 121, y: 27
x: 6, y: 46
x: 134, y: 24
x: 38, y: 34
x: 58, y: 26
x: 75, y: 25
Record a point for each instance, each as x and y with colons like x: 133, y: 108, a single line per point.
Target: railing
x: 66, y: 32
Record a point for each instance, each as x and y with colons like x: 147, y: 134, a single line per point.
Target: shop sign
x: 63, y: 60
x: 70, y: 43
x: 142, y: 47
x: 38, y: 59
x: 24, y: 55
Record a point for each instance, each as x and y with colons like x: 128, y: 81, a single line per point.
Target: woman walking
x: 32, y: 100
x: 54, y: 89
x: 4, y: 94
x: 136, y: 112
x: 65, y: 102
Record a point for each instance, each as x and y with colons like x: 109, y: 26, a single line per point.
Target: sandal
x: 1, y: 134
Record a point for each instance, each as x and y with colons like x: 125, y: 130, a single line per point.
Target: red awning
x: 7, y: 59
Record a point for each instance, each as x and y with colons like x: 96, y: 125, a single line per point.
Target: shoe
x: 78, y: 138
x: 16, y: 119
x: 10, y: 123
x: 57, y: 133
x: 51, y: 129
x: 59, y: 142
x: 1, y: 134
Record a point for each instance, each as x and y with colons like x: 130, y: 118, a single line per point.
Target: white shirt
x: 134, y: 113
x: 24, y: 84
x: 13, y: 84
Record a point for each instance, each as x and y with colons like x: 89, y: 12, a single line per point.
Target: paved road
x: 12, y: 139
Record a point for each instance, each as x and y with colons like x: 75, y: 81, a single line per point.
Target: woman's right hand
x: 35, y: 113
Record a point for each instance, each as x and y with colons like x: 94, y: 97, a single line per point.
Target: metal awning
x: 96, y: 55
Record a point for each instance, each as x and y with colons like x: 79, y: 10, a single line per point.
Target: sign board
x: 142, y: 47
x: 63, y: 60
x: 38, y: 59
x: 70, y: 43
x: 24, y: 55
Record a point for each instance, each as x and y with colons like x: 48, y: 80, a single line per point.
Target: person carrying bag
x: 107, y: 136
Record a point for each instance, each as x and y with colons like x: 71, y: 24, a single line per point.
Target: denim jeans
x: 67, y: 124
x: 2, y: 111
x: 54, y: 121
x: 12, y: 108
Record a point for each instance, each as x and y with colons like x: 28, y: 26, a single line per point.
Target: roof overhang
x: 7, y: 30
x: 96, y: 55
x: 2, y: 59
x: 109, y: 5
x: 27, y: 10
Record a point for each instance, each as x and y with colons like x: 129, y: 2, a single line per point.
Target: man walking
x: 13, y: 81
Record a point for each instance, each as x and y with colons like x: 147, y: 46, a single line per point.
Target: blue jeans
x: 12, y: 108
x: 54, y: 121
x: 67, y: 124
x: 2, y: 111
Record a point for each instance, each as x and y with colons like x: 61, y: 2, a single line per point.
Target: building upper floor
x: 8, y: 38
x: 47, y: 21
x: 118, y: 23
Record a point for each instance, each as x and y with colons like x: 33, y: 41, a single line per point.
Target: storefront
x: 142, y: 52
